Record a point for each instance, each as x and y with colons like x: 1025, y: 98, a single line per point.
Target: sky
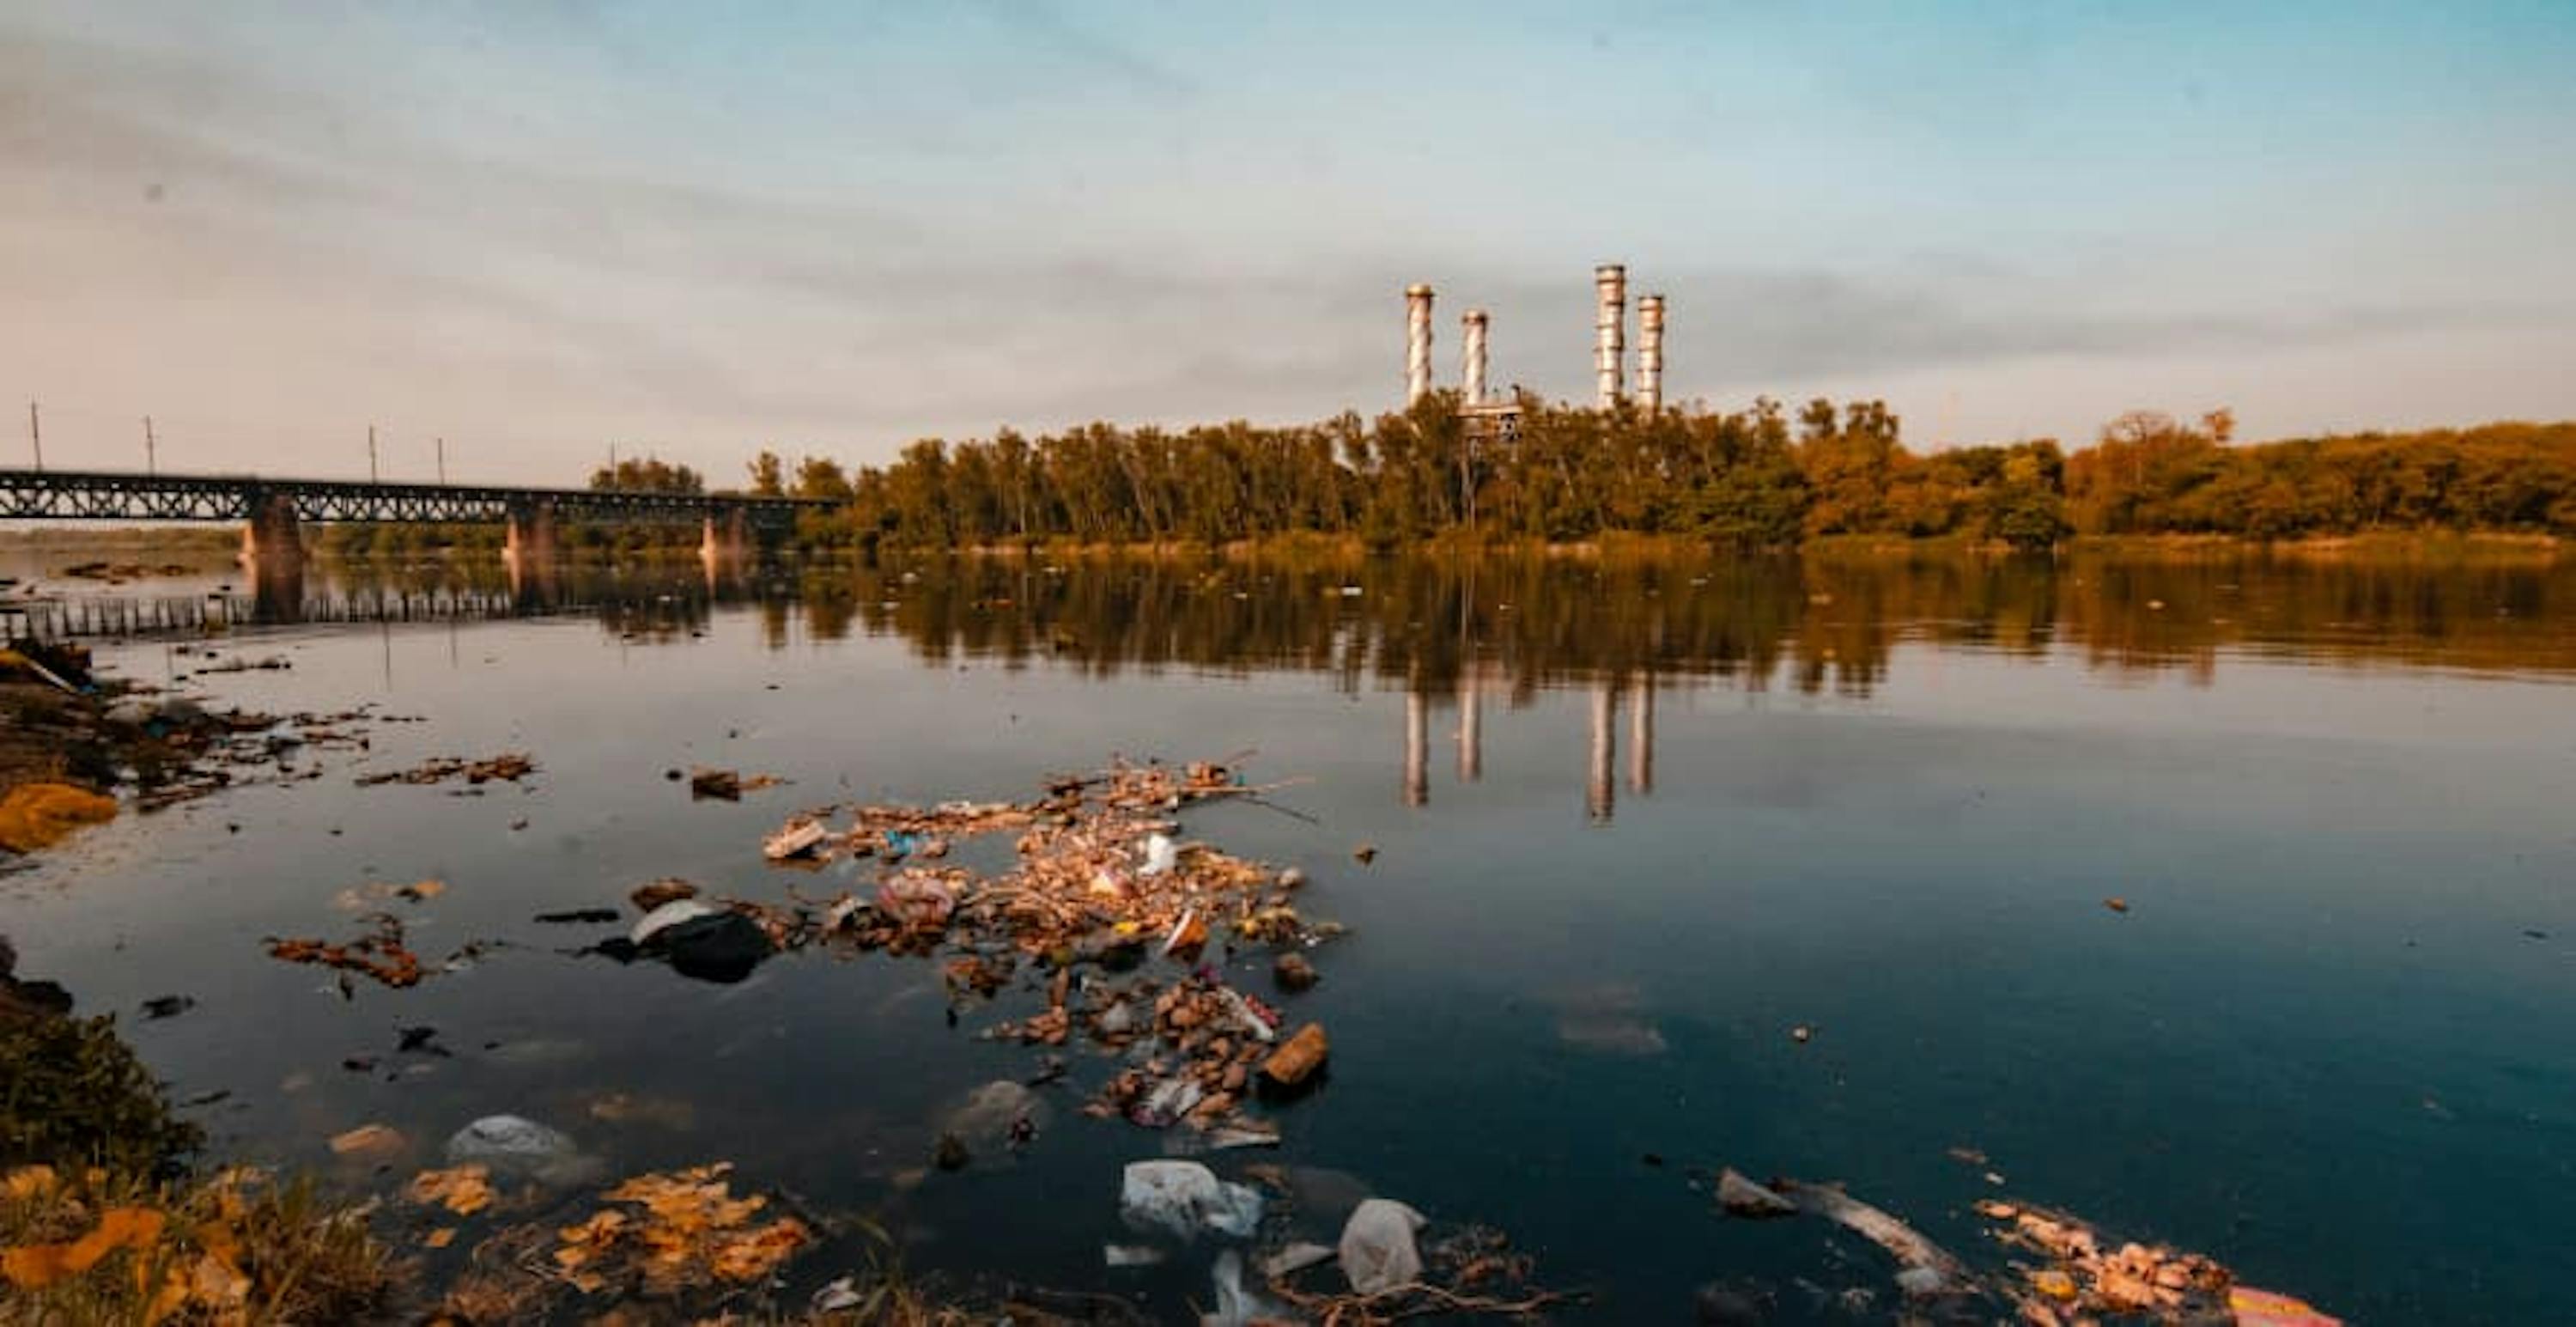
x: 541, y: 228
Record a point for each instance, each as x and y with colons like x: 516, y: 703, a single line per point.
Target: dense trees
x: 1754, y: 478
x: 648, y: 475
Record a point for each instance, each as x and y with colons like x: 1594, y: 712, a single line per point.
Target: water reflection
x: 1464, y: 632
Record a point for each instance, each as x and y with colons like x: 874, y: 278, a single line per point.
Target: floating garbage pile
x: 1099, y: 885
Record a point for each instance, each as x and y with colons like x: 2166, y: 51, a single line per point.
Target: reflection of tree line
x: 1818, y: 623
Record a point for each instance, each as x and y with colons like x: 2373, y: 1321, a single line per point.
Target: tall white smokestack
x: 1471, y: 369
x: 1610, y: 331
x: 1650, y: 353
x: 1417, y: 350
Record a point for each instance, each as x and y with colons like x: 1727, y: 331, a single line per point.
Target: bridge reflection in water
x: 1510, y: 628
x: 283, y: 593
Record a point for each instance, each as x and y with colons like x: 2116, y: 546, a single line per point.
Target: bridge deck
x: 92, y: 495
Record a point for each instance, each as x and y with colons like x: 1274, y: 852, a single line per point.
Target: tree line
x: 1756, y: 478
x: 1751, y: 479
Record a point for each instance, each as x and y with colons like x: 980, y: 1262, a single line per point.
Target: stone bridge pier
x: 530, y: 535
x: 274, y: 534
x: 273, y: 555
x: 725, y: 544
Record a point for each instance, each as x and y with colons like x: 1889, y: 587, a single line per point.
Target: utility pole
x: 36, y: 436
x: 442, y: 460
x: 371, y: 453
x: 151, y: 463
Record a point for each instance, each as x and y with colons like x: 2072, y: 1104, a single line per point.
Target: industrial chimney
x: 1471, y: 369
x: 1610, y: 330
x: 1650, y: 353
x: 1417, y: 353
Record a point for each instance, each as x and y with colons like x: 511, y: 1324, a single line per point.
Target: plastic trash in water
x: 1377, y: 1249
x: 1161, y: 855
x: 1186, y: 1199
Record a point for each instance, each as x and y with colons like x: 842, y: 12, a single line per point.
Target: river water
x: 1634, y: 825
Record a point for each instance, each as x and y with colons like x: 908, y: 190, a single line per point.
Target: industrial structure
x: 1609, y: 333
x: 1501, y: 419
x: 1417, y: 344
x: 1471, y: 358
x: 1650, y: 353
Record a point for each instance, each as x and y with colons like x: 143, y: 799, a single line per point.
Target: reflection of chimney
x: 1650, y: 353
x: 1597, y: 794
x: 1471, y: 368
x: 1417, y: 346
x: 1641, y: 735
x: 1609, y: 330
x: 1417, y: 748
x: 1471, y: 737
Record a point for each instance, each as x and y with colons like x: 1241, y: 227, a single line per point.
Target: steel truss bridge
x: 73, y: 495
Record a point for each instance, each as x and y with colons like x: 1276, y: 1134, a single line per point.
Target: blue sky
x: 539, y: 228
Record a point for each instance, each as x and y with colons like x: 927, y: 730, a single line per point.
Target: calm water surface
x: 1634, y: 826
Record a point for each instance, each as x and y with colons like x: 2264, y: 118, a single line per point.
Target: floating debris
x: 380, y: 955
x: 677, y: 1231
x: 463, y: 1190
x: 2083, y: 1275
x: 508, y: 768
x: 654, y: 895
x: 578, y: 917
x: 1923, y: 1268
x: 799, y: 839
x: 358, y: 898
x: 1742, y: 1197
x: 368, y: 1140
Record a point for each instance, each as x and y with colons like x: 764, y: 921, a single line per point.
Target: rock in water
x: 514, y: 1146
x: 723, y: 948
x: 1377, y: 1246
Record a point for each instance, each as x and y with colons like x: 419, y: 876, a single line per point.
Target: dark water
x: 1701, y: 805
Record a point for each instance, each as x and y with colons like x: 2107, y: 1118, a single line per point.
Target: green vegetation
x: 1758, y: 478
x: 76, y: 1096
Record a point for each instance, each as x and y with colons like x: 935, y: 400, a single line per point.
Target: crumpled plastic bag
x: 1377, y: 1246
x: 1186, y: 1199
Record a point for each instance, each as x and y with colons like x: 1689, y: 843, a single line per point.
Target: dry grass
x: 236, y: 1248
